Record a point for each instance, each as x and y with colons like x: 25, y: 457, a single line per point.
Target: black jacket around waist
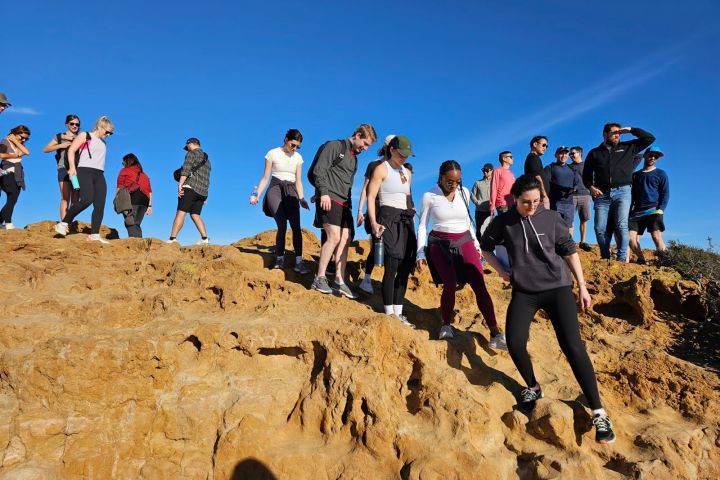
x: 614, y: 167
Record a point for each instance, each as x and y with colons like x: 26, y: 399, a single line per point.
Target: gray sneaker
x: 321, y: 285
x: 301, y: 268
x: 343, y: 289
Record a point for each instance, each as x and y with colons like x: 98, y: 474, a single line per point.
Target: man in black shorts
x: 193, y: 188
x: 334, y: 173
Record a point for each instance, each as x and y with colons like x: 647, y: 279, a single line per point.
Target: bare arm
x: 54, y: 145
x: 263, y: 181
x: 72, y: 150
x: 298, y: 182
x: 373, y: 187
x: 573, y: 262
x: 361, y: 203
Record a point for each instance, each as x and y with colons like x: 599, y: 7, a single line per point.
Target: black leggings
x: 395, y: 279
x: 93, y: 190
x: 370, y: 262
x: 11, y: 189
x: 288, y: 210
x: 560, y: 306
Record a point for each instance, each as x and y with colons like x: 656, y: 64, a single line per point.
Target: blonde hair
x: 103, y: 122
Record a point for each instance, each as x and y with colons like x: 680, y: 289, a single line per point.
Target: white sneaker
x: 403, y: 319
x: 62, y: 228
x: 203, y: 242
x: 445, y: 332
x: 95, y: 237
x: 9, y: 226
x: 366, y: 286
x: 174, y: 240
x: 498, y: 342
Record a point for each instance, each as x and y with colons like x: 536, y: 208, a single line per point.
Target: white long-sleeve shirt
x: 446, y: 216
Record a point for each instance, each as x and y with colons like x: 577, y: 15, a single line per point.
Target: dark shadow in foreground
x: 252, y: 469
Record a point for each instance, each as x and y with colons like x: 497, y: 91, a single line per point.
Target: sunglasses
x: 108, y: 132
x: 544, y: 145
x: 24, y: 139
x: 74, y: 124
x: 653, y: 156
x: 450, y: 182
x: 296, y: 146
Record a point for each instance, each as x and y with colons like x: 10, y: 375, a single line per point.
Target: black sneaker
x: 585, y: 246
x: 603, y: 429
x: 279, y: 263
x: 528, y: 398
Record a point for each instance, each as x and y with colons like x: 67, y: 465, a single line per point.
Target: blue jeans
x: 613, y: 206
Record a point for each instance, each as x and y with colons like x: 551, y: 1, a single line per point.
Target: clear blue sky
x: 464, y: 80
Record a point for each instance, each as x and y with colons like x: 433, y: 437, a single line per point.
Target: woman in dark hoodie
x: 543, y: 256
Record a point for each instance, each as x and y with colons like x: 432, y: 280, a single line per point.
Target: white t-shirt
x: 284, y: 166
x: 446, y: 216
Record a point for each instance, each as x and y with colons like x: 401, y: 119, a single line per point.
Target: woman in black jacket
x: 543, y: 256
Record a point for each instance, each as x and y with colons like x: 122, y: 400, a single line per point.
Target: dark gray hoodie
x: 536, y: 246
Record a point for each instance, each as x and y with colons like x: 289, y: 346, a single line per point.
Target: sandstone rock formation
x: 143, y: 360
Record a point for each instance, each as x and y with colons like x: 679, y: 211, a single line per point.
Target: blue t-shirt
x: 563, y: 182
x: 650, y: 190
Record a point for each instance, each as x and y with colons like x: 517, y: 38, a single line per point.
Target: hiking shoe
x: 603, y: 429
x: 9, y: 226
x: 343, y: 289
x: 203, y: 241
x: 403, y: 319
x: 95, y: 237
x: 279, y: 263
x: 498, y: 342
x: 172, y: 240
x: 301, y: 268
x: 528, y: 398
x: 445, y: 332
x: 366, y: 286
x: 585, y: 246
x: 321, y: 285
x: 61, y: 228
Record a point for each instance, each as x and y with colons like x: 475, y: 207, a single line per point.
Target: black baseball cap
x: 191, y: 140
x: 562, y: 148
x: 487, y: 167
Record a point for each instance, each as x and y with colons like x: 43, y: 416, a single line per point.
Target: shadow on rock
x: 252, y: 469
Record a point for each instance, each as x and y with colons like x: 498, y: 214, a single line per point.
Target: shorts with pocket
x: 191, y: 202
x: 651, y: 223
x: 339, y: 215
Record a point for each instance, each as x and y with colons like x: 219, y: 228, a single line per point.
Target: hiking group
x: 522, y: 227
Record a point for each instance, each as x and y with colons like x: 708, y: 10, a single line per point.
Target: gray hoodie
x: 536, y: 246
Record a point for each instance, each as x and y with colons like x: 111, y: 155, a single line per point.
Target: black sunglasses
x: 74, y: 124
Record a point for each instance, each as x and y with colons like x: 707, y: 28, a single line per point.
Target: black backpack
x: 177, y: 173
x: 311, y: 170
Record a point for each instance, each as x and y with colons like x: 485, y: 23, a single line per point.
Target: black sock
x: 204, y: 238
x: 172, y: 238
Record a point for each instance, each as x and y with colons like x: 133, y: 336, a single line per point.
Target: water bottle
x: 254, y: 194
x: 74, y: 181
x: 379, y: 257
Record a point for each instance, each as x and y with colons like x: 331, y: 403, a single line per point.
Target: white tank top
x: 97, y: 150
x: 393, y: 192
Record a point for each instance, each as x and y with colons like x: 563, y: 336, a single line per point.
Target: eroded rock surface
x: 142, y: 360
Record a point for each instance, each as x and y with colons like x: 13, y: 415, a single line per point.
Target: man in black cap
x: 4, y: 103
x: 480, y: 196
x: 564, y: 181
x: 193, y: 189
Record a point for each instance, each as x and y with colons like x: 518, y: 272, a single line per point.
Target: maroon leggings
x: 473, y: 276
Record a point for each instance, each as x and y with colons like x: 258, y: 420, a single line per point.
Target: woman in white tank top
x: 90, y: 174
x: 394, y: 223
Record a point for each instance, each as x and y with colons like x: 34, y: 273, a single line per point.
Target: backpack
x: 61, y: 155
x: 177, y: 173
x: 311, y: 170
x: 85, y: 146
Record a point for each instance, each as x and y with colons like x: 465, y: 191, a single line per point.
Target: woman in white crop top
x: 452, y: 249
x: 394, y: 223
x: 90, y: 173
x: 284, y: 197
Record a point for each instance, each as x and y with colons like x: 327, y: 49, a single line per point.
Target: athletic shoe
x: 343, y: 289
x: 321, y: 285
x: 174, y: 240
x: 9, y: 226
x: 641, y: 261
x: 95, y: 237
x: 603, y: 429
x: 203, y: 241
x: 62, y: 228
x: 366, y: 286
x: 279, y: 263
x: 403, y: 319
x: 585, y: 246
x: 498, y: 342
x: 301, y: 268
x: 445, y: 332
x: 528, y: 398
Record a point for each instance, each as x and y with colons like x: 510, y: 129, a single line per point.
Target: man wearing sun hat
x: 4, y: 103
x: 650, y: 196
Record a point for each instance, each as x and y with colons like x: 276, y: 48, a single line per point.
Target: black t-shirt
x: 534, y: 167
x: 371, y: 168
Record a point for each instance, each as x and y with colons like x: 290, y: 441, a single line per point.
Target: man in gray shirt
x: 581, y: 197
x: 480, y: 196
x: 193, y: 189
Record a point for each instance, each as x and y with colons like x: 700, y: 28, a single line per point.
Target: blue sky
x: 464, y: 80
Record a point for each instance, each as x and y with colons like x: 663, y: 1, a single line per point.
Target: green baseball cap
x: 403, y: 145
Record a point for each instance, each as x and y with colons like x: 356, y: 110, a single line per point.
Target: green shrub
x: 699, y: 265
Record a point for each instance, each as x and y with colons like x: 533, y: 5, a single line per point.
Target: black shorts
x: 338, y: 215
x: 650, y: 223
x: 191, y: 202
x: 63, y: 175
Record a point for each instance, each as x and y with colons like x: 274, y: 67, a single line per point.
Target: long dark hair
x: 131, y: 159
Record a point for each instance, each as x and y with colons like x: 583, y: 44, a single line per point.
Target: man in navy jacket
x: 608, y: 175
